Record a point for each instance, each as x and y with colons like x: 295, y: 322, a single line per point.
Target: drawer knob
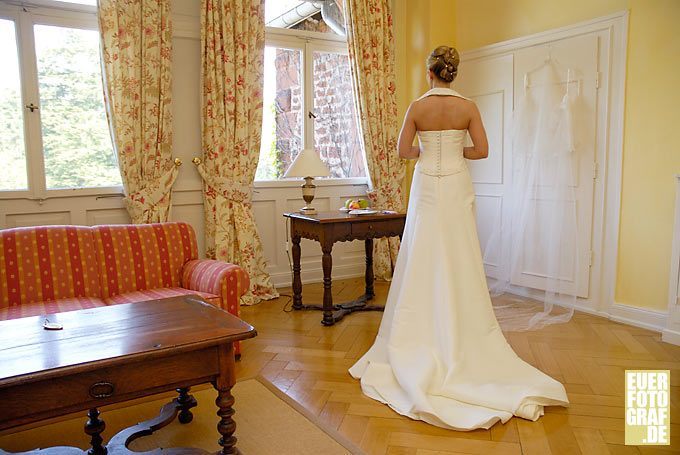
x: 101, y: 390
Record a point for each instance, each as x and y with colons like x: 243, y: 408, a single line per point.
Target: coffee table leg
x: 186, y: 402
x: 327, y: 264
x: 94, y: 428
x: 369, y: 269
x: 297, y: 281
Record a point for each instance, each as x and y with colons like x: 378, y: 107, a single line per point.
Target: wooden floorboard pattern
x: 588, y: 355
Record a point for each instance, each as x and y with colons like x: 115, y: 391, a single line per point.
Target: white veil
x: 535, y: 245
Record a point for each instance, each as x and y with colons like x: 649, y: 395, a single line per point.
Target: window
x: 54, y: 132
x: 308, y: 100
x: 12, y: 145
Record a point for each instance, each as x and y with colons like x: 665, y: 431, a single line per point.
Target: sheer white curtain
x: 539, y: 244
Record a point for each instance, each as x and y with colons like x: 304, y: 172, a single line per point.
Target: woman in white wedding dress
x: 440, y: 355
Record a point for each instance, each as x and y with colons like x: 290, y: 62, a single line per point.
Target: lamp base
x: 308, y: 210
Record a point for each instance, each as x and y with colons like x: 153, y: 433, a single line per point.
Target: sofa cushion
x: 144, y: 256
x: 47, y: 263
x: 159, y: 293
x: 49, y: 307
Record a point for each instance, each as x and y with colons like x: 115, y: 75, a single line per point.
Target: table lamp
x: 308, y: 165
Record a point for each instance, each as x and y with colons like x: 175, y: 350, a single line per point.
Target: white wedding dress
x: 440, y: 355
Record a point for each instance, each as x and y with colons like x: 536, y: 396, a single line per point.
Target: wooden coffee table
x: 328, y: 228
x: 118, y: 353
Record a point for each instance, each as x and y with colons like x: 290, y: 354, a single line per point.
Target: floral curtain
x: 136, y: 40
x: 232, y: 43
x: 371, y: 51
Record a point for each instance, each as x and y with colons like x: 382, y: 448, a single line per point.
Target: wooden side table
x: 328, y: 228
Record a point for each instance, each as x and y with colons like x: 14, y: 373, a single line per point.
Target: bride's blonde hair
x: 443, y: 62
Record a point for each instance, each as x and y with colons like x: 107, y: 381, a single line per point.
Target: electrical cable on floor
x: 286, y: 307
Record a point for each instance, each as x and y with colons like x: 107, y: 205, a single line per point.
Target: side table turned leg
x: 297, y: 281
x: 186, y: 402
x: 369, y: 269
x: 94, y: 428
x: 327, y: 264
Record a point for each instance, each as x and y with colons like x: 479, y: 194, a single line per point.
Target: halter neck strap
x: 442, y: 91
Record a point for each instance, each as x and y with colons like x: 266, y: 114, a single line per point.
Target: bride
x: 440, y: 355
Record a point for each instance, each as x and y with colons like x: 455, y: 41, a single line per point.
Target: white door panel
x: 496, y: 84
x: 578, y: 56
x: 489, y: 83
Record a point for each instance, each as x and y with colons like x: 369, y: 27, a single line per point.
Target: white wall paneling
x: 493, y: 77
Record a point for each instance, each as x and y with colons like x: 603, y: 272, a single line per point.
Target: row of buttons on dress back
x: 439, y: 154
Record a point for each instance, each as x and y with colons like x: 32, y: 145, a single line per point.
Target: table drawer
x: 35, y: 401
x: 366, y: 230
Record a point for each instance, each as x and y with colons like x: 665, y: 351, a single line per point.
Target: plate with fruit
x: 355, y: 204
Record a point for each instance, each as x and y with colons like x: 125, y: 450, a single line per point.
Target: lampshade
x: 307, y: 164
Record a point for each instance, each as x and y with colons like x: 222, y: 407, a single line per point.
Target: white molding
x: 579, y: 28
x: 311, y: 272
x: 607, y: 196
x: 645, y: 318
x: 671, y: 337
x: 671, y: 334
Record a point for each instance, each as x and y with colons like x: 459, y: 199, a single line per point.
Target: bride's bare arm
x: 480, y: 148
x: 408, y: 132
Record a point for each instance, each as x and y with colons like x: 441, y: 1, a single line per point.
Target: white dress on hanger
x: 440, y: 355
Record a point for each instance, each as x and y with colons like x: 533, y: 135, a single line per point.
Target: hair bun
x: 443, y: 62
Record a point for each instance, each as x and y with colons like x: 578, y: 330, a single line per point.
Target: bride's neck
x: 439, y: 84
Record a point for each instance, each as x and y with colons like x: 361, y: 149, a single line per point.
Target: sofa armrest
x: 229, y: 281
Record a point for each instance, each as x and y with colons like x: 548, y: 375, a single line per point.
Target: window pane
x: 12, y: 146
x: 282, y: 117
x: 324, y: 17
x: 75, y: 133
x: 336, y: 132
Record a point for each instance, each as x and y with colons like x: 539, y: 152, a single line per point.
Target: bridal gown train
x: 440, y: 355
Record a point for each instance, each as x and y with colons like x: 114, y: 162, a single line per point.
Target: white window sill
x: 319, y: 182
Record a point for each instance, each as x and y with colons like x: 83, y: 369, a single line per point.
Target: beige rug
x: 267, y: 422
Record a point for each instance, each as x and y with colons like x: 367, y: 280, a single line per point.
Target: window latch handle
x: 311, y: 114
x: 32, y: 107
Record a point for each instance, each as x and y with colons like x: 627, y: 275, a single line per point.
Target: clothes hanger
x: 550, y: 60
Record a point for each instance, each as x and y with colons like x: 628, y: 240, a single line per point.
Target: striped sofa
x: 50, y: 269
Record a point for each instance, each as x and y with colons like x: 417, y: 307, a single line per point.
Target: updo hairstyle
x: 443, y: 62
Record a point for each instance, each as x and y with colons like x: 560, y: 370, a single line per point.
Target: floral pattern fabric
x: 232, y: 60
x: 370, y: 41
x: 136, y: 38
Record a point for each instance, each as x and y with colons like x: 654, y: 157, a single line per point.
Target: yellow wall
x: 651, y: 153
x: 420, y: 26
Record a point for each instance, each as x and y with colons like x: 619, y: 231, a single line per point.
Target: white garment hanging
x: 542, y: 237
x: 440, y: 355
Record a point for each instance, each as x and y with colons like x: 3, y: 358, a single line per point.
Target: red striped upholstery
x: 48, y: 307
x: 51, y: 269
x: 216, y: 277
x: 135, y: 257
x: 47, y: 263
x: 158, y: 293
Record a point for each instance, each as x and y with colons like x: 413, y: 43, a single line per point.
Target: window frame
x: 308, y: 42
x: 50, y: 13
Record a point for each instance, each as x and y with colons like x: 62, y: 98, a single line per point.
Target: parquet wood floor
x: 589, y: 354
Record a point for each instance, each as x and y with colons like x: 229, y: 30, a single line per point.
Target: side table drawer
x: 366, y: 230
x: 34, y: 401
